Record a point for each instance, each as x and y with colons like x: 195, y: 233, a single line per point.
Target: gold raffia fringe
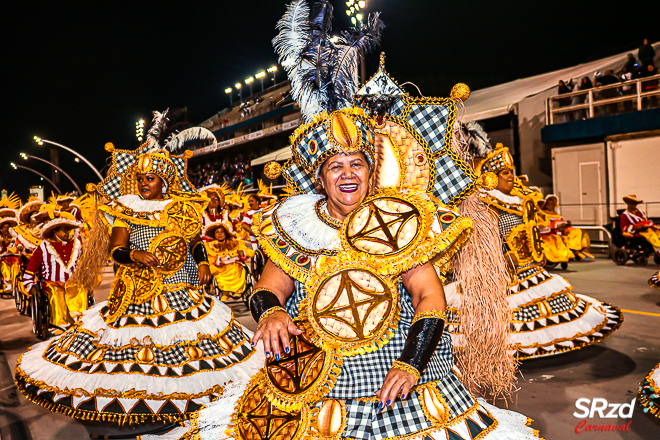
x: 407, y: 368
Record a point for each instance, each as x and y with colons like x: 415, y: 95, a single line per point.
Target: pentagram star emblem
x: 172, y: 251
x: 182, y: 216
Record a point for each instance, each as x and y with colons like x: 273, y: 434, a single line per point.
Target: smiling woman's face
x: 345, y: 178
x: 505, y: 181
x: 150, y: 186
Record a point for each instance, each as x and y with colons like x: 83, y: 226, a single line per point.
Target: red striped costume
x: 54, y: 261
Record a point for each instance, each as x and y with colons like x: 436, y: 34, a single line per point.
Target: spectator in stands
x: 585, y: 84
x: 562, y: 89
x: 630, y: 63
x: 646, y: 54
x: 648, y: 86
x: 627, y: 89
x: 605, y: 80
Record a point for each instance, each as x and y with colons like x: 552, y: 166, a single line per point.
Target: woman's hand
x: 146, y: 258
x: 204, y: 274
x: 397, y: 381
x: 275, y: 330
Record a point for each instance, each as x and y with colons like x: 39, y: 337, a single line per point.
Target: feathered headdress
x: 159, y: 137
x: 322, y: 68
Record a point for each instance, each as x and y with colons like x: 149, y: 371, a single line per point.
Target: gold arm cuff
x: 130, y: 255
x: 203, y: 263
x: 270, y: 311
x: 438, y: 314
x: 407, y: 368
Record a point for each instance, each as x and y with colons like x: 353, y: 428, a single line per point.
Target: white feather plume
x: 177, y: 141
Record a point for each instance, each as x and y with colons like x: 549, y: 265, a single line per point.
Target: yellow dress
x: 225, y: 266
x: 576, y: 239
x: 555, y: 249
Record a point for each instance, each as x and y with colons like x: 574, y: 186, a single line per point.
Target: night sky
x: 81, y: 73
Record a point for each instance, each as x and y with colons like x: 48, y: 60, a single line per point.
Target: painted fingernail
x: 380, y: 405
x: 277, y: 357
x: 403, y: 396
x: 268, y: 354
x: 388, y: 402
x: 287, y: 349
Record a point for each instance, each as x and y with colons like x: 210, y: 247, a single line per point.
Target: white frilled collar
x: 138, y: 204
x: 298, y: 219
x: 504, y: 198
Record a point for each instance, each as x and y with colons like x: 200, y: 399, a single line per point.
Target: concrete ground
x: 548, y: 391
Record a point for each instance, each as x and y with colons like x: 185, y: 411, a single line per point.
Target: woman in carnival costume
x: 649, y: 389
x: 217, y: 207
x: 576, y: 239
x: 547, y: 316
x: 225, y: 254
x: 555, y: 249
x: 158, y: 349
x: 349, y: 307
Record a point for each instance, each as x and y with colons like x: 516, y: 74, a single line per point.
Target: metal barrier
x: 591, y: 99
x: 607, y: 246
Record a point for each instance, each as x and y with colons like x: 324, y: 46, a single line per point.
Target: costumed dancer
x: 65, y: 203
x: 555, y: 249
x: 654, y: 281
x: 634, y: 223
x: 158, y: 349
x: 10, y: 265
x: 547, y: 317
x: 52, y: 264
x: 349, y: 306
x: 217, y: 207
x: 576, y: 239
x: 649, y: 392
x: 226, y: 255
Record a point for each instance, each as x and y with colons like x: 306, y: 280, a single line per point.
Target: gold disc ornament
x: 121, y: 295
x: 147, y: 282
x: 393, y: 226
x: 183, y: 218
x: 303, y: 375
x: 172, y: 250
x: 256, y: 418
x: 351, y: 308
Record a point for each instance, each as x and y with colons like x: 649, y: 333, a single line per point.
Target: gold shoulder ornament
x: 525, y: 239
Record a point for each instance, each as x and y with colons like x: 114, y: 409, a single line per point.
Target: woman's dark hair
x: 256, y: 197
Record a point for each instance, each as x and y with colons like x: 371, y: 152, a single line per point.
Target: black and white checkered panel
x: 123, y: 161
x: 560, y: 304
x: 298, y: 177
x: 179, y: 300
x: 298, y: 295
x: 450, y: 179
x: 522, y: 276
x: 527, y: 314
x: 362, y: 375
x: 398, y: 108
x: 364, y: 421
x: 431, y: 121
x: 141, y: 236
x: 112, y: 187
x: 180, y: 165
x: 82, y: 345
x: 144, y: 309
x: 318, y: 135
x: 187, y: 274
x: 507, y: 222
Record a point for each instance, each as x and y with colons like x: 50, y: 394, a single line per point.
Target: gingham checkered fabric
x: 364, y: 421
x: 561, y: 303
x: 180, y: 164
x: 179, y: 300
x: 144, y: 309
x: 320, y: 137
x: 431, y: 122
x: 300, y: 179
x: 507, y: 222
x: 495, y: 164
x: 398, y: 107
x: 141, y: 236
x: 450, y: 179
x: 362, y: 375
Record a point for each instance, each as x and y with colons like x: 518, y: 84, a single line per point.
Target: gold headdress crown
x: 497, y: 160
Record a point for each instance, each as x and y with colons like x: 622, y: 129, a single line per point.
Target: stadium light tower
x: 260, y: 75
x: 273, y: 69
x: 139, y: 130
x: 238, y: 86
x: 248, y: 82
x: 16, y: 167
x: 229, y: 91
x: 27, y: 156
x: 355, y: 10
x: 40, y: 141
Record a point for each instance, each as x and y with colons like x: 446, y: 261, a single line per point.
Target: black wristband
x: 122, y: 255
x: 262, y: 300
x: 199, y: 253
x: 422, y: 341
